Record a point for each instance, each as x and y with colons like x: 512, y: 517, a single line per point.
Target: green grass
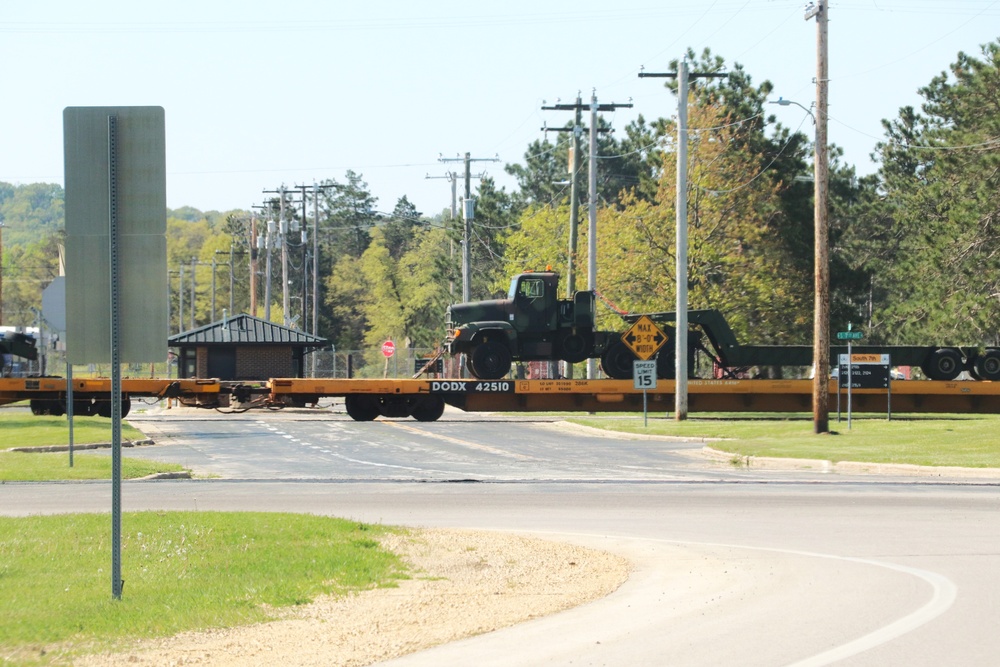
x: 181, y: 571
x: 50, y: 467
x: 933, y: 440
x: 23, y: 429
x: 20, y: 429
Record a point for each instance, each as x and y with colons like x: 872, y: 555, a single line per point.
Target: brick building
x: 243, y: 348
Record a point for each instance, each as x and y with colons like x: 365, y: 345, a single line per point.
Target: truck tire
x: 944, y: 363
x: 617, y: 361
x: 986, y: 366
x: 575, y: 347
x: 490, y: 361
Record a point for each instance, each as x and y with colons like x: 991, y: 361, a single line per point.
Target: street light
x: 781, y: 101
x: 821, y: 278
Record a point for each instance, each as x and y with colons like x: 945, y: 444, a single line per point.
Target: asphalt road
x: 732, y: 567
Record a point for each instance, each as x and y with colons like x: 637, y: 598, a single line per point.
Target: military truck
x: 534, y: 324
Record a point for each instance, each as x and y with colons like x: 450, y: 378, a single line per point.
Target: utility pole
x: 283, y: 240
x: 821, y: 307
x: 592, y: 189
x: 683, y: 76
x: 453, y: 179
x: 574, y: 197
x: 180, y: 300
x: 305, y: 245
x: 170, y: 315
x: 467, y: 227
x: 194, y: 263
x: 259, y: 242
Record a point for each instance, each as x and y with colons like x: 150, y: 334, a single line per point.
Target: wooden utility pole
x: 574, y: 198
x: 821, y: 308
x: 467, y: 222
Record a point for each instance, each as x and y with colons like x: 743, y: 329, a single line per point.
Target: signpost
x: 865, y: 371
x: 644, y: 377
x: 116, y: 255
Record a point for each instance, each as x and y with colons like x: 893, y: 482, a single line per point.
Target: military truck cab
x: 532, y: 323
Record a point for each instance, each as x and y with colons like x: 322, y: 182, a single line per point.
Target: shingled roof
x: 247, y: 329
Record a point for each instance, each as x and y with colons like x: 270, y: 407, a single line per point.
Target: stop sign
x: 388, y: 348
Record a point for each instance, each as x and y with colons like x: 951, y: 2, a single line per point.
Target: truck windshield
x: 531, y: 288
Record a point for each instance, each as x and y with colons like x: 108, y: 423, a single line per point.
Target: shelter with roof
x: 243, y: 347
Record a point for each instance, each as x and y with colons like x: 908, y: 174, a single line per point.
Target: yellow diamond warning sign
x: 644, y: 338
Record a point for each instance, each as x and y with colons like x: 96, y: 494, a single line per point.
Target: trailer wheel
x: 490, y: 361
x: 361, y: 408
x: 617, y: 361
x: 987, y: 365
x: 943, y: 364
x: 428, y: 409
x: 666, y: 368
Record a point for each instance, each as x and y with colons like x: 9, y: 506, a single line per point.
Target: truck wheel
x: 490, y: 361
x: 575, y: 347
x: 361, y: 408
x: 428, y: 409
x: 987, y: 365
x: 943, y: 364
x: 617, y: 361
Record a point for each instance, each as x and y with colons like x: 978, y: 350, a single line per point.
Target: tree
x: 350, y: 214
x: 940, y: 181
x: 737, y: 262
x: 398, y: 230
x: 625, y: 165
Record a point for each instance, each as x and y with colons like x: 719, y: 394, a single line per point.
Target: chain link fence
x: 372, y: 363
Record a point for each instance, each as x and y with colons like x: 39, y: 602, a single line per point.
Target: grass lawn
x: 181, y: 571
x: 933, y: 440
x: 22, y: 429
x: 51, y: 467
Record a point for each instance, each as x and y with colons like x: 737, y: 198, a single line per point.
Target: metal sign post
x: 644, y: 377
x: 116, y: 263
x: 850, y: 336
x: 116, y: 369
x: 865, y: 371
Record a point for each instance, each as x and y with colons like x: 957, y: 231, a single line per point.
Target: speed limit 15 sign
x: 644, y: 374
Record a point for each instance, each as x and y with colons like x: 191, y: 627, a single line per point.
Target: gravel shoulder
x: 463, y: 583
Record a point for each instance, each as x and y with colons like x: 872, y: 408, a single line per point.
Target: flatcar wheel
x: 428, y: 409
x: 361, y: 408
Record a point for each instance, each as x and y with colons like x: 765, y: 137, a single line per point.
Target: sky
x: 259, y: 95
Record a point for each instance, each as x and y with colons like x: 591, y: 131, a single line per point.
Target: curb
x: 90, y: 445
x: 183, y: 474
x: 845, y: 467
